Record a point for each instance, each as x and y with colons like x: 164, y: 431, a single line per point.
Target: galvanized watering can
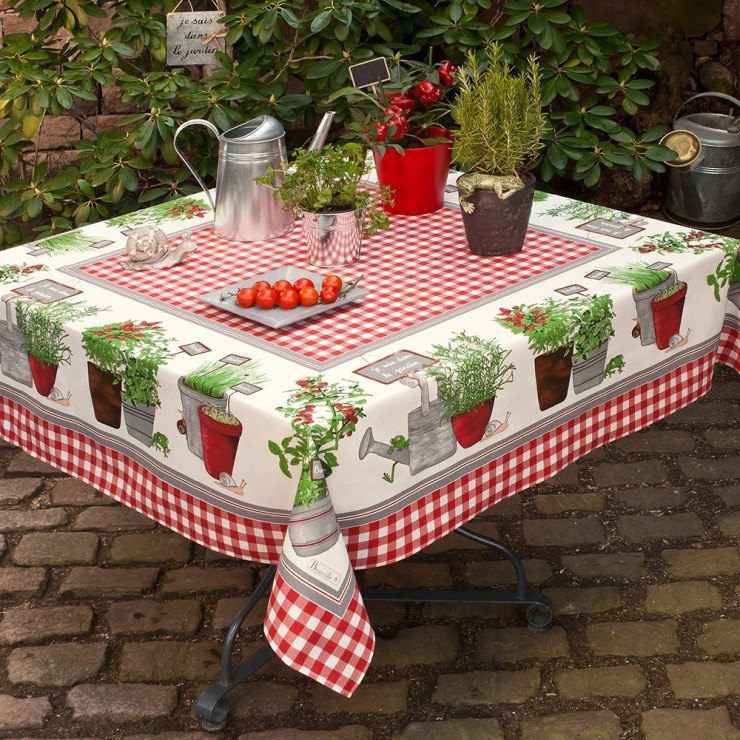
x: 245, y: 211
x: 704, y: 180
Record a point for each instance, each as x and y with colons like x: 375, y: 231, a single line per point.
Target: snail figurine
x: 148, y: 249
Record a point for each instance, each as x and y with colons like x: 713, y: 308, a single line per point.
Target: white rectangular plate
x: 277, y: 318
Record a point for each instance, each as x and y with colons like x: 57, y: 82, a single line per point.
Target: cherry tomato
x: 308, y: 296
x: 261, y: 285
x: 288, y: 298
x: 281, y: 285
x: 245, y: 297
x: 266, y: 298
x: 303, y: 283
x: 332, y: 281
x: 329, y: 294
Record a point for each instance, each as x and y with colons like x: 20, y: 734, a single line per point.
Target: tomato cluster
x: 287, y: 295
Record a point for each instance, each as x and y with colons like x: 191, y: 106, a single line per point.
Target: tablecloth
x: 364, y: 378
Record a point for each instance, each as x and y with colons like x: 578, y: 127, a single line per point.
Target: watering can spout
x: 734, y: 127
x: 319, y: 138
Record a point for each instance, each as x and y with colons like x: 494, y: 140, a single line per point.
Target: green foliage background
x: 285, y: 58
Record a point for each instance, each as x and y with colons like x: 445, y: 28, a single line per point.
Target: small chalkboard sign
x: 571, y: 289
x: 369, y: 73
x: 395, y: 366
x: 607, y: 227
x: 234, y: 359
x: 194, y: 348
x: 246, y: 388
x: 47, y: 291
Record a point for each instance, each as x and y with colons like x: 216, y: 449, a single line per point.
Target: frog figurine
x: 503, y: 185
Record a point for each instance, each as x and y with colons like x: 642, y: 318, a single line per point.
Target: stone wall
x: 701, y: 51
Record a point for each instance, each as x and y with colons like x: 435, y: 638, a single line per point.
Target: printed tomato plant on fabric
x: 321, y: 414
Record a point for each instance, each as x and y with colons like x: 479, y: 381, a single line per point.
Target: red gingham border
x: 379, y: 543
x: 335, y: 651
x: 728, y: 352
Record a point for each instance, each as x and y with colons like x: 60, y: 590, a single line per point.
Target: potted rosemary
x: 207, y: 385
x: 500, y: 125
x: 123, y: 362
x: 45, y: 338
x: 469, y: 372
x: 324, y: 188
x: 647, y: 283
x: 549, y: 327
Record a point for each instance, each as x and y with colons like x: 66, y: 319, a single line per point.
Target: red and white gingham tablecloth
x: 423, y: 288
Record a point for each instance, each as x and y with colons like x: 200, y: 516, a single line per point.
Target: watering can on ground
x: 704, y: 180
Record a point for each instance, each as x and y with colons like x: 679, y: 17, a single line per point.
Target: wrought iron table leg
x: 539, y: 607
x: 212, y: 707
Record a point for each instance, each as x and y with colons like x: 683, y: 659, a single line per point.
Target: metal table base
x: 212, y: 707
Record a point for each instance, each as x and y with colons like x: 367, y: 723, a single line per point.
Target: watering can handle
x: 728, y: 98
x: 196, y: 122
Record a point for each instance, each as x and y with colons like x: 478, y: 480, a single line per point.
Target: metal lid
x: 262, y: 128
x: 685, y: 143
x: 711, y: 128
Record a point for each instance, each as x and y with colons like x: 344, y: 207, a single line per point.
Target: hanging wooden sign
x: 194, y: 38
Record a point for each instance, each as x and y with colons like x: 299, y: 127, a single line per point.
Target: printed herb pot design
x: 321, y: 415
x: 469, y: 372
x: 430, y: 436
x: 594, y: 328
x: 45, y: 337
x: 208, y: 385
x: 123, y: 362
x: 727, y: 272
x: 220, y: 433
x: 647, y: 283
x: 549, y: 327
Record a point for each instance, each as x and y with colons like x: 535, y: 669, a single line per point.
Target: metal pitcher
x: 704, y: 186
x: 244, y: 210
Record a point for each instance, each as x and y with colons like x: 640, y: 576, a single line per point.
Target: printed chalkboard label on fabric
x: 395, y: 366
x: 47, y: 291
x: 607, y: 227
x: 194, y: 38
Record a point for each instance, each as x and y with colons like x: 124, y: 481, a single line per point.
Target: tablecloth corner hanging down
x: 316, y: 620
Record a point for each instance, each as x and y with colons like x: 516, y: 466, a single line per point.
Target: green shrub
x: 285, y: 58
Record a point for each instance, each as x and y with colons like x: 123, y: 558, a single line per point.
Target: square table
x: 403, y: 473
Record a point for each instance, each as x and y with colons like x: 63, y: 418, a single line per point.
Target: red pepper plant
x: 411, y: 110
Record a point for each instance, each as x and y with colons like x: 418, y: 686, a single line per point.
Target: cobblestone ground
x: 112, y: 625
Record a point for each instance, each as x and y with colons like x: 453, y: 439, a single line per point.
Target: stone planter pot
x: 499, y: 227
